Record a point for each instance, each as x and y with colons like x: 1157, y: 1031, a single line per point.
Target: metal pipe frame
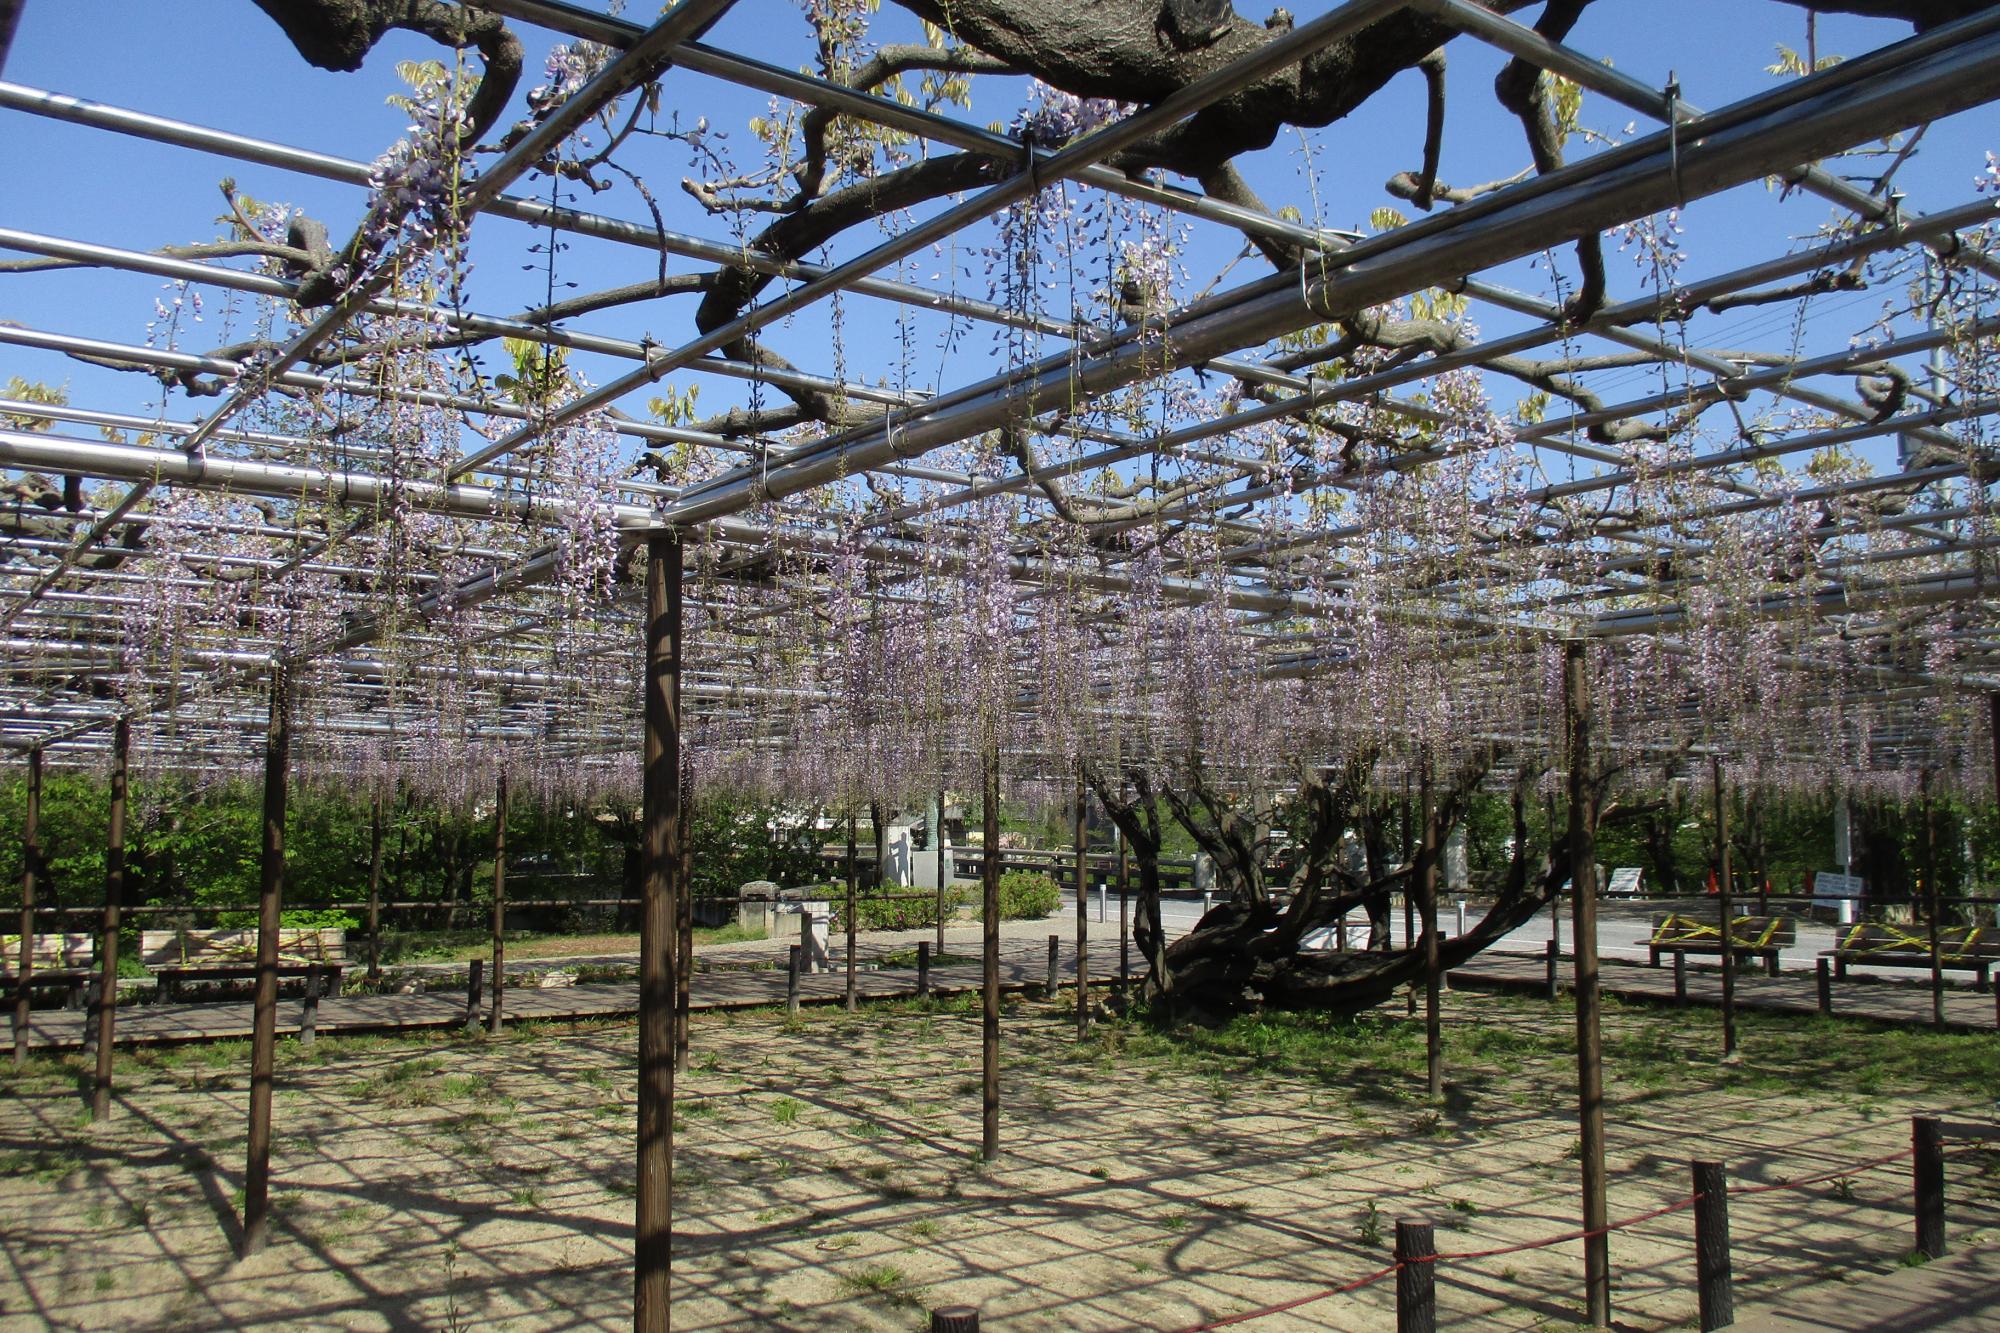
x: 1905, y: 84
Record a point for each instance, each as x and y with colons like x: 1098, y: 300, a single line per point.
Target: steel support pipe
x: 1906, y: 85
x: 1091, y: 150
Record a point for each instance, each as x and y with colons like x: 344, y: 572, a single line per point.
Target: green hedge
x: 1024, y: 895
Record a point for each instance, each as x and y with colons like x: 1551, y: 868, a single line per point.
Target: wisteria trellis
x: 1370, y: 532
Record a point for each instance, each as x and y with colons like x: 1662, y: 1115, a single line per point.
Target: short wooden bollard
x: 923, y: 969
x: 1823, y: 976
x: 475, y: 983
x: 1680, y: 977
x: 1554, y: 952
x: 1927, y: 1172
x: 792, y: 981
x: 1416, y: 1277
x: 1055, y: 943
x: 1711, y: 1247
x: 90, y: 1008
x: 309, y: 1013
x: 955, y: 1319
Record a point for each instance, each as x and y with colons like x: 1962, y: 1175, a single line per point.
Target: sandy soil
x: 826, y: 1181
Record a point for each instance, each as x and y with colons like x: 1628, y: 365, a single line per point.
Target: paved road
x: 1622, y: 929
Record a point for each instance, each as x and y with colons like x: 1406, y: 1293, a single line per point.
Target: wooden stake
x: 1589, y: 1034
x: 107, y: 949
x: 264, y: 1019
x: 1714, y: 1294
x: 1416, y: 1277
x: 1927, y: 1175
x: 659, y: 867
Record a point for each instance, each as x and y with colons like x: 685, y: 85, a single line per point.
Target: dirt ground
x: 825, y: 1177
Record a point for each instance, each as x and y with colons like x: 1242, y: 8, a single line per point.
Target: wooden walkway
x: 736, y: 988
x: 1790, y: 992
x: 1959, y: 1293
x: 744, y: 988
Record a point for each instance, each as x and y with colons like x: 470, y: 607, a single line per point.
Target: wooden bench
x: 1972, y: 949
x: 1683, y: 933
x: 62, y: 962
x: 176, y: 957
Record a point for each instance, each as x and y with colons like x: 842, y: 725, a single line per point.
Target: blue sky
x: 222, y: 63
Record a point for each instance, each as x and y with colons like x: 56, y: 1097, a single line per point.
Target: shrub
x: 1024, y: 895
x: 911, y: 913
x: 1027, y: 894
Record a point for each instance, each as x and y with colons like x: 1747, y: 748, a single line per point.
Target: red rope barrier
x: 1563, y: 1239
x: 1283, y: 1306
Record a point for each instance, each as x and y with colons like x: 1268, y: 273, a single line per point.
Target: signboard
x: 1624, y: 882
x: 1829, y: 886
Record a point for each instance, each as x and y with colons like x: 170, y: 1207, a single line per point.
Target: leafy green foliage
x: 1026, y: 895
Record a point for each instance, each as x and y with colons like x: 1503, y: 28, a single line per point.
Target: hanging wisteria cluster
x: 1366, y: 537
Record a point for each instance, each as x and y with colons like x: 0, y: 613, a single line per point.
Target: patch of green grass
x: 45, y: 1166
x: 786, y: 1110
x: 884, y: 1282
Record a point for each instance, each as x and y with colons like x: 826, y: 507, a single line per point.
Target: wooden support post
x: 264, y: 1019
x: 684, y: 930
x: 1931, y: 902
x: 497, y: 1017
x: 792, y: 979
x: 1589, y: 1035
x: 375, y: 890
x: 989, y: 992
x: 1927, y: 1173
x: 1050, y: 985
x: 1680, y: 976
x: 1427, y: 891
x: 852, y: 911
x: 1714, y: 1295
x: 1823, y: 977
x: 1554, y: 952
x: 309, y: 1010
x: 923, y: 969
x: 1081, y: 844
x: 659, y: 867
x: 1416, y: 1277
x: 1725, y: 910
x: 475, y: 987
x: 31, y: 858
x: 955, y: 1319
x: 944, y: 875
x: 1124, y: 915
x: 104, y: 1022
